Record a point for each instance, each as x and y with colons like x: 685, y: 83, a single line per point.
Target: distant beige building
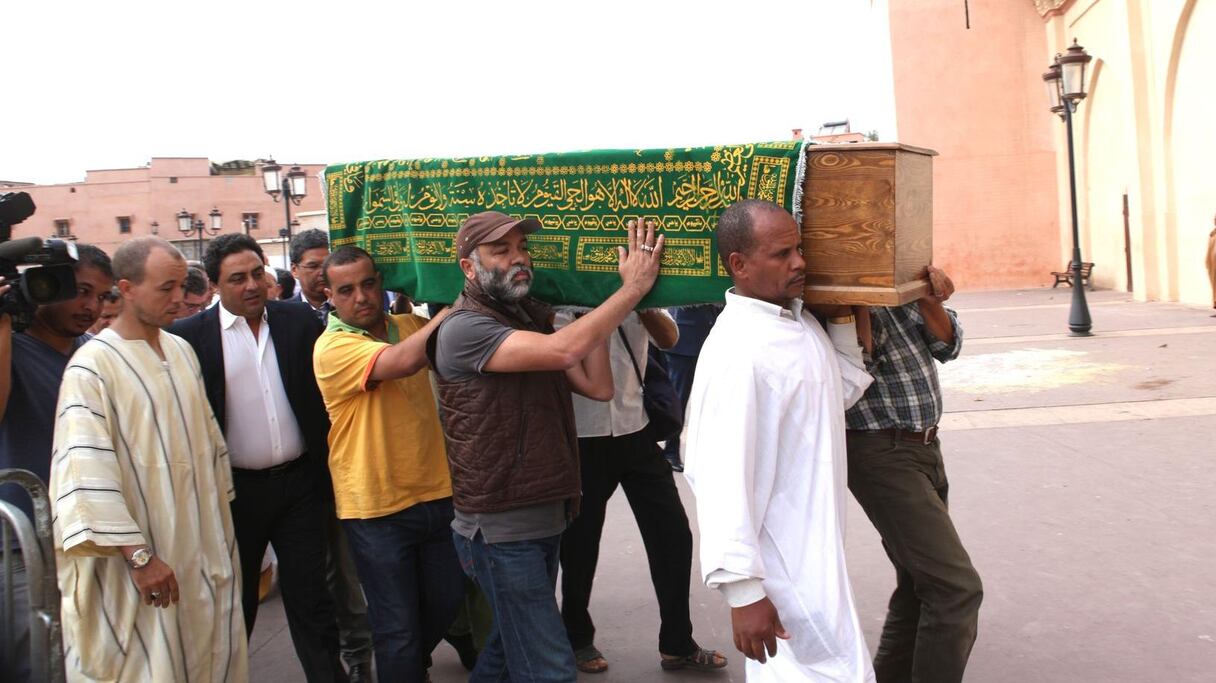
x: 111, y: 206
x: 1144, y: 138
x: 1145, y: 132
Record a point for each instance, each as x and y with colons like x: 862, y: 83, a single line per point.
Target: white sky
x: 92, y: 85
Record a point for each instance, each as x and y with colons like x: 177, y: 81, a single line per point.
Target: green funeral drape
x: 406, y: 214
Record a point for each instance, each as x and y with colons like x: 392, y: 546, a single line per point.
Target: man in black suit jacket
x: 256, y: 358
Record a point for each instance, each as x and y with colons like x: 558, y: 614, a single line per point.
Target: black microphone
x: 14, y: 250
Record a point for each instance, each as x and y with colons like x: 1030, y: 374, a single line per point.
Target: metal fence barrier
x: 36, y: 544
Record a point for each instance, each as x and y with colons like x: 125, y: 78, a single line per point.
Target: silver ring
x: 154, y: 596
x: 646, y: 248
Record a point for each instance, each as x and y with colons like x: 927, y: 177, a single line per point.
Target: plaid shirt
x: 905, y: 393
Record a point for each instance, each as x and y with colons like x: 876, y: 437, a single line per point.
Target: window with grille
x: 250, y: 221
x: 63, y: 228
x: 124, y: 224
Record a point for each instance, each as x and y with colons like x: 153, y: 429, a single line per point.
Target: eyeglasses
x: 309, y: 266
x: 193, y: 308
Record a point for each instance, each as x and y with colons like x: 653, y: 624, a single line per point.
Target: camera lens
x: 43, y: 286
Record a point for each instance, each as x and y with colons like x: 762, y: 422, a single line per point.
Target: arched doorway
x: 1191, y: 144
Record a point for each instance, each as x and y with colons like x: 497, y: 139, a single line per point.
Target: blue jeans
x: 413, y: 583
x: 681, y: 370
x: 527, y: 640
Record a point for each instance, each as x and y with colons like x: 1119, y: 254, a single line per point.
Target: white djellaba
x: 764, y: 451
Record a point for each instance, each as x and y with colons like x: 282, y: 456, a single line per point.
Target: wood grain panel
x: 913, y: 215
x: 867, y: 223
x: 844, y: 163
x: 848, y: 224
x: 866, y: 296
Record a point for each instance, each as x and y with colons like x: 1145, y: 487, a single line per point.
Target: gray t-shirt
x: 467, y: 340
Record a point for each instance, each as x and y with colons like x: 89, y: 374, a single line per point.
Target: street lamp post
x: 291, y: 187
x: 188, y: 225
x: 1065, y: 81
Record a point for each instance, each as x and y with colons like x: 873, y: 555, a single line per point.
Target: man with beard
x: 140, y: 486
x: 389, y: 469
x: 256, y: 357
x: 31, y: 367
x: 505, y: 380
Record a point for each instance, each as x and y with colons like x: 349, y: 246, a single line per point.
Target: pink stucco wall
x: 976, y: 97
x: 149, y: 194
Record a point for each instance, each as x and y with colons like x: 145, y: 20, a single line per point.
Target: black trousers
x: 933, y: 614
x: 635, y: 464
x: 287, y: 508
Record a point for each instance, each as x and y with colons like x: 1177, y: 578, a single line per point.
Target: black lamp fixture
x: 1073, y: 64
x: 188, y: 225
x: 1051, y: 79
x: 292, y: 187
x: 1065, y: 81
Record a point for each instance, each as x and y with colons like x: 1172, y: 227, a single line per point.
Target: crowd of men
x: 424, y: 478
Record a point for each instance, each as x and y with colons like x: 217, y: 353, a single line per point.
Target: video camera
x: 52, y: 277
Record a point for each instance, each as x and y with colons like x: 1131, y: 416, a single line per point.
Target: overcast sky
x: 112, y: 84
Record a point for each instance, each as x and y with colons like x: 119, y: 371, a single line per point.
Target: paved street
x: 1082, y: 483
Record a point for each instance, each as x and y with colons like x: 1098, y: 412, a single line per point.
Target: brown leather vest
x: 511, y: 437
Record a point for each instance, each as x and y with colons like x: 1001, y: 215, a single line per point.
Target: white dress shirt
x: 625, y: 413
x: 261, y: 428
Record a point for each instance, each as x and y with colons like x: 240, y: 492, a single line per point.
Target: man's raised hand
x: 639, y: 262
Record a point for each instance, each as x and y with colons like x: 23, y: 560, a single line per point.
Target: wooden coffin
x: 867, y: 223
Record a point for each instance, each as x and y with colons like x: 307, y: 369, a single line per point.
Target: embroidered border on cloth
x: 406, y: 214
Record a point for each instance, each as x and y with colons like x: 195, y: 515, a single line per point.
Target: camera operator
x: 32, y: 363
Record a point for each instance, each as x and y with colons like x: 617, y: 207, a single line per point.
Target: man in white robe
x: 140, y: 489
x: 765, y: 455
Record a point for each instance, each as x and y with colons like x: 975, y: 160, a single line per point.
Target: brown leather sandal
x: 701, y: 660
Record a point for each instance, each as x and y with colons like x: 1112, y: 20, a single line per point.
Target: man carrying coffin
x: 765, y: 455
x: 897, y: 474
x: 505, y: 380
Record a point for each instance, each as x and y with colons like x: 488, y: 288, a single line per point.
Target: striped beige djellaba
x: 139, y: 459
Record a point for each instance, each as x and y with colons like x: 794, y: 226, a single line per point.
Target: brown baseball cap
x: 488, y: 226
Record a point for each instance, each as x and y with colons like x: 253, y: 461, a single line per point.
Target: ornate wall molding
x: 1049, y: 7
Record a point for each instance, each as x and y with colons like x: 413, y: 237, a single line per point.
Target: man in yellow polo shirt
x: 389, y: 466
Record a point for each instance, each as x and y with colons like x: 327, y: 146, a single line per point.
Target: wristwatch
x: 140, y: 558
